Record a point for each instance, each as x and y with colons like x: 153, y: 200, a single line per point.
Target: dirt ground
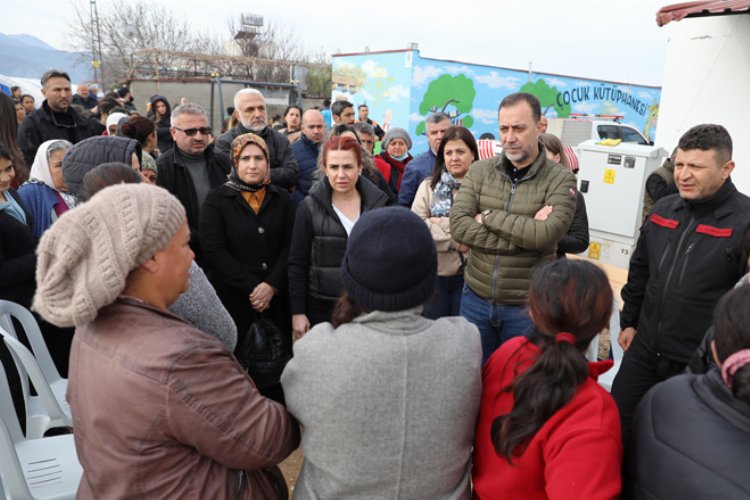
x: 291, y: 468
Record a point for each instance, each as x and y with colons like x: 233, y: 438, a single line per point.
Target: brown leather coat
x: 162, y: 410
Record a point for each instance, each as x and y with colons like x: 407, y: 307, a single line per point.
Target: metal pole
x: 99, y: 43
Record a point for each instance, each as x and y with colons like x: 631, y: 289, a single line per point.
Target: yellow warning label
x: 609, y: 176
x: 595, y: 250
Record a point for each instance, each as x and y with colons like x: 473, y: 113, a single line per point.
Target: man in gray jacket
x: 511, y: 210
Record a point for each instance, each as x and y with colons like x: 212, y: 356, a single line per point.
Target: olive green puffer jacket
x: 510, y: 244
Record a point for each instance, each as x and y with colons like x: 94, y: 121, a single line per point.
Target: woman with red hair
x: 546, y: 428
x: 321, y: 230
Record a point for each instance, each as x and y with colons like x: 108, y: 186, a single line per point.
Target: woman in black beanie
x: 388, y: 398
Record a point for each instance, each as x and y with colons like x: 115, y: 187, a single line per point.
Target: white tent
x: 30, y: 86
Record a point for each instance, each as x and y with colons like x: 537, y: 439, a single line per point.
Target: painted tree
x: 547, y: 95
x: 449, y: 94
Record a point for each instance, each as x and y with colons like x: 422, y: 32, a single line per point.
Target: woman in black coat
x: 576, y: 240
x: 246, y: 230
x: 17, y: 262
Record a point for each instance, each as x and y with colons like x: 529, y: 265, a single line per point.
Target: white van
x: 573, y: 131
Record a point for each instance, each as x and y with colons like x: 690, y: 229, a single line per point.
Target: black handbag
x: 262, y: 352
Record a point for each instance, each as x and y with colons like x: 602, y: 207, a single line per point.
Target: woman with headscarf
x: 388, y: 399
x: 246, y: 231
x: 433, y: 203
x: 46, y: 194
x: 160, y: 409
x: 546, y: 429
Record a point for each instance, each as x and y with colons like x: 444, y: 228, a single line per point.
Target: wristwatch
x: 485, y: 213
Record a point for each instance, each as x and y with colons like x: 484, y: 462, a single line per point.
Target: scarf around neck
x: 235, y: 182
x: 442, y: 195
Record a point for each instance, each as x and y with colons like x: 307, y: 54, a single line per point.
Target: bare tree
x: 319, y: 75
x: 130, y: 30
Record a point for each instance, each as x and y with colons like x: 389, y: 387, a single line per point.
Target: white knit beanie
x: 84, y: 258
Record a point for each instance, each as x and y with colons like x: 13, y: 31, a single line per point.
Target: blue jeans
x: 497, y: 323
x: 447, y: 300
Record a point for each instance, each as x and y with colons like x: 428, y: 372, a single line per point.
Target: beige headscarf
x: 84, y: 259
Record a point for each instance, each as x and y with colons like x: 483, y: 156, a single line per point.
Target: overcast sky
x: 602, y: 39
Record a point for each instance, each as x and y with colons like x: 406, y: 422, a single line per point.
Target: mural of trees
x: 547, y: 95
x: 453, y: 95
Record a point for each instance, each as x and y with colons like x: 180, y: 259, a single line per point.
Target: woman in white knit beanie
x: 160, y: 409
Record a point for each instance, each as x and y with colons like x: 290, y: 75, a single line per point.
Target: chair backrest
x: 13, y: 481
x: 10, y: 310
x: 22, y: 356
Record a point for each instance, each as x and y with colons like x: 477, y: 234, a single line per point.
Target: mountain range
x: 26, y: 56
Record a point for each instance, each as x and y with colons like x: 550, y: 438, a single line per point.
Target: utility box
x: 613, y: 181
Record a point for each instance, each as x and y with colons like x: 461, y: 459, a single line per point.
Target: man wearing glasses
x: 191, y: 169
x: 54, y: 119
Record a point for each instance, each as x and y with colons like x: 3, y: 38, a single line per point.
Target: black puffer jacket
x: 43, y: 125
x: 164, y: 141
x: 576, y: 240
x: 319, y: 241
x: 690, y: 441
x: 284, y: 168
x: 687, y: 256
x: 89, y: 154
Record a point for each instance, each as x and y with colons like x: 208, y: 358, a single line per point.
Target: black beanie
x: 390, y: 262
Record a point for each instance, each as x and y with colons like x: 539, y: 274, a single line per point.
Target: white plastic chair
x: 45, y: 468
x: 49, y: 409
x: 606, y: 378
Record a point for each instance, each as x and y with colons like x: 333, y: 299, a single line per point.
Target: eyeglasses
x: 190, y: 132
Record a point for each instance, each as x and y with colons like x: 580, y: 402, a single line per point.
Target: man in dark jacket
x: 191, y: 169
x: 54, y: 119
x: 83, y: 97
x: 306, y: 151
x: 251, y: 110
x: 689, y: 253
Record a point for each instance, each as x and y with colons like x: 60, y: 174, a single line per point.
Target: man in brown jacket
x: 511, y: 210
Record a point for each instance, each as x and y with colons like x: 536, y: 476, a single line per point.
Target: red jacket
x: 576, y: 454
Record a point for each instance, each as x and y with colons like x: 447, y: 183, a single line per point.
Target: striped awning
x: 680, y: 11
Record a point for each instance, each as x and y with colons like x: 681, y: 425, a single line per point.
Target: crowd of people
x: 411, y: 319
